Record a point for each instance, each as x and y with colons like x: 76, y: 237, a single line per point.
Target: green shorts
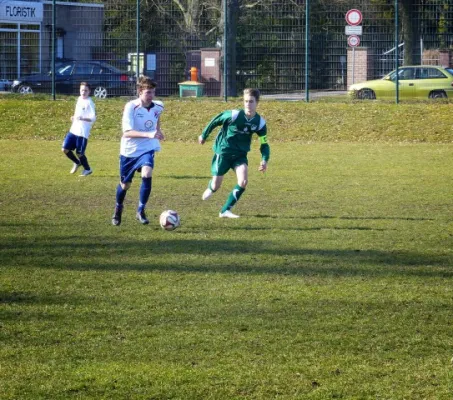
x: 221, y: 164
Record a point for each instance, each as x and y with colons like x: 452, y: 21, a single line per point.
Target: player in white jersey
x: 141, y: 136
x: 77, y: 137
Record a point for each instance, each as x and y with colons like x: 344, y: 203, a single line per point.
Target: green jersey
x: 235, y: 136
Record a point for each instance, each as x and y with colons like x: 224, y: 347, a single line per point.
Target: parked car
x: 5, y: 84
x: 421, y: 81
x: 104, y: 79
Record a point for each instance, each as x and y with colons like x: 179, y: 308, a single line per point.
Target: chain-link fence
x: 279, y: 46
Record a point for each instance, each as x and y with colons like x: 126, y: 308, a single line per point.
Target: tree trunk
x: 409, y: 28
x: 233, y: 16
x: 230, y: 50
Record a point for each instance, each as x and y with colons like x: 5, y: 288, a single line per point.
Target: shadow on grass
x: 29, y: 298
x: 345, y: 218
x: 184, y: 177
x: 216, y: 255
x: 318, y: 228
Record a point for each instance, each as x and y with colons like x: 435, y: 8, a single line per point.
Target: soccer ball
x: 169, y: 220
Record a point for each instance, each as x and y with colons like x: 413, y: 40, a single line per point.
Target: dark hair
x: 145, y: 82
x: 86, y: 84
x: 253, y: 92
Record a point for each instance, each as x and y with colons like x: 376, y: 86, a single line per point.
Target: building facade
x: 26, y: 34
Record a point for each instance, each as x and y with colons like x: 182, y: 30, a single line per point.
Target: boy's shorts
x: 128, y: 165
x: 74, y: 142
x: 221, y: 164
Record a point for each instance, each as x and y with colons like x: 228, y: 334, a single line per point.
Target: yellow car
x: 415, y: 82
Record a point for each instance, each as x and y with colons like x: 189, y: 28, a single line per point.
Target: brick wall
x: 359, y: 65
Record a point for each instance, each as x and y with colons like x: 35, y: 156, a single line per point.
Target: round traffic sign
x: 353, y: 17
x: 353, y: 40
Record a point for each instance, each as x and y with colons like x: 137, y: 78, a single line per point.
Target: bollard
x: 194, y: 74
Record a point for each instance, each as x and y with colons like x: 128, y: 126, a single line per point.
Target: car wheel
x: 438, y: 94
x: 100, y: 92
x: 25, y: 89
x: 366, y: 94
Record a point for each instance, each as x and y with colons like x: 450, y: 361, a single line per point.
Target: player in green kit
x: 232, y: 145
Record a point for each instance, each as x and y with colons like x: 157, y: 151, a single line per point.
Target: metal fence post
x: 137, y: 39
x: 397, y: 93
x: 225, y: 49
x: 54, y: 23
x: 307, y: 63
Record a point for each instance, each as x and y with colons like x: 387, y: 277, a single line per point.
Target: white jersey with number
x: 85, y: 109
x: 138, y: 118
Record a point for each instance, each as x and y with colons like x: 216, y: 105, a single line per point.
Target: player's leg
x: 145, y: 192
x: 146, y: 165
x: 70, y: 144
x: 121, y: 191
x: 213, y: 185
x: 219, y: 167
x: 126, y: 174
x: 242, y: 180
x: 80, y: 151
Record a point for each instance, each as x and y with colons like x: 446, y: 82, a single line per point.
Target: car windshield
x: 390, y: 76
x: 449, y: 70
x: 403, y: 73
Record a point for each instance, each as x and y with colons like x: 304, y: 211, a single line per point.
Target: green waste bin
x: 191, y: 89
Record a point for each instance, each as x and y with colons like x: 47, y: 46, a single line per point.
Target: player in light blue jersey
x: 232, y: 145
x: 141, y: 138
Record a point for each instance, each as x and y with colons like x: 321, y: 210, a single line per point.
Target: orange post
x: 194, y: 74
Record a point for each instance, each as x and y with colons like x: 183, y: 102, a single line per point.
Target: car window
x: 406, y: 74
x: 449, y: 70
x: 430, y: 73
x: 109, y: 69
x: 83, y: 69
x: 97, y: 69
x: 65, y: 69
x: 106, y: 70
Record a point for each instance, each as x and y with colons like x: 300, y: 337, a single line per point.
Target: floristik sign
x: 20, y: 11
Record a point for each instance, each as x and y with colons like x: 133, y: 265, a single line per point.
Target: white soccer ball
x: 169, y: 220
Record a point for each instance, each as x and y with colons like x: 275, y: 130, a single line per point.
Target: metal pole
x: 54, y: 23
x: 421, y: 51
x: 396, y: 54
x: 307, y: 61
x: 19, y: 55
x: 137, y: 39
x: 353, y: 65
x: 225, y: 49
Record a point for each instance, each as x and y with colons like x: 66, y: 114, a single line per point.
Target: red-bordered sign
x: 353, y: 40
x: 353, y: 17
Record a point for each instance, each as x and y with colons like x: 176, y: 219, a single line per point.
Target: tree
x: 409, y: 31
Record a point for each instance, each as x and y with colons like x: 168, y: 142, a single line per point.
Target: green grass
x: 183, y: 120
x: 335, y: 283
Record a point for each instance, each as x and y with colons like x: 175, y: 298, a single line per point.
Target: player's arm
x: 158, y: 126
x: 159, y: 130
x: 218, y: 120
x: 77, y: 116
x: 145, y: 135
x: 91, y: 117
x: 264, y: 149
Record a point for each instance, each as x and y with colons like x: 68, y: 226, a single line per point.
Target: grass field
x: 326, y: 120
x: 335, y: 283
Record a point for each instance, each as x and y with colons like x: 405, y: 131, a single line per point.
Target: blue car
x: 105, y: 80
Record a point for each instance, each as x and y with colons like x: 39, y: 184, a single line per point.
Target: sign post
x: 353, y: 30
